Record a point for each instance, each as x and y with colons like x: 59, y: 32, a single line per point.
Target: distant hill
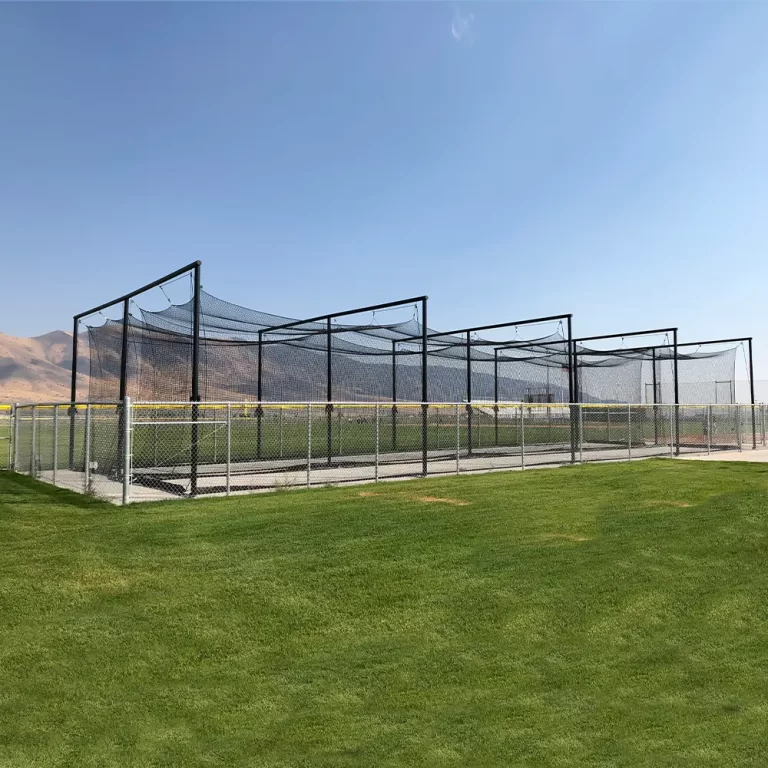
x: 39, y: 369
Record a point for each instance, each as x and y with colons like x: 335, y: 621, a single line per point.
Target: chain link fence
x: 72, y: 446
x: 144, y: 451
x: 6, y: 436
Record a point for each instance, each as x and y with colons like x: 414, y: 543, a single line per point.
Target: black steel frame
x: 647, y: 332
x: 468, y: 343
x: 125, y: 300
x: 706, y: 342
x: 328, y: 331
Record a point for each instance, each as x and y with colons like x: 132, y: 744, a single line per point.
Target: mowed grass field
x: 610, y: 615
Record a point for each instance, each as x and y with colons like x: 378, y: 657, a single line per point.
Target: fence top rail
x: 78, y: 405
x: 253, y: 404
x: 411, y: 403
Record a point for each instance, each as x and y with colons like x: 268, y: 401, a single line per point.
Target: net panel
x: 647, y: 375
x: 370, y: 360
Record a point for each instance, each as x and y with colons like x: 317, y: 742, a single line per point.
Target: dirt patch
x: 437, y: 500
x: 566, y: 537
x: 668, y: 503
x: 422, y: 499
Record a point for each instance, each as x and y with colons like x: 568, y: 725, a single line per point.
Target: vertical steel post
x: 376, y: 459
x: 11, y: 422
x: 671, y: 430
x: 16, y: 437
x: 458, y: 436
x: 123, y: 388
x: 194, y: 453
x: 280, y: 427
x: 762, y: 416
x: 87, y: 466
x: 469, y: 394
x: 424, y: 389
x: 522, y: 436
x: 709, y: 428
x: 55, y: 441
x: 309, y: 442
x: 629, y: 431
x: 655, y: 401
x: 577, y: 422
x: 124, y: 351
x: 215, y: 435
x: 677, y: 395
x: 752, y: 394
x: 329, y: 389
x: 32, y: 462
x: 229, y: 447
x: 127, y: 440
x: 738, y: 426
x: 581, y: 431
x: 341, y: 448
x: 259, y: 392
x: 73, y: 394
x: 571, y: 387
x: 394, y: 395
x: 495, y: 396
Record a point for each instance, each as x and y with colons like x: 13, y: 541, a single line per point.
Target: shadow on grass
x: 19, y: 489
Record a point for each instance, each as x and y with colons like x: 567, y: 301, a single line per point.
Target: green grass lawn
x: 611, y: 615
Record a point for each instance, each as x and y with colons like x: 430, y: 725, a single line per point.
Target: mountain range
x: 38, y: 369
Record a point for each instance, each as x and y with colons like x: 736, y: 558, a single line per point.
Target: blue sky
x: 511, y: 160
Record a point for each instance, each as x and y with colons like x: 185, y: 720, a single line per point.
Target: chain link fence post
x: 157, y: 418
x: 580, y: 407
x: 754, y: 426
x: 671, y: 430
x: 229, y: 447
x: 709, y: 429
x: 11, y: 421
x: 309, y: 443
x: 458, y: 437
x: 215, y: 436
x: 87, y: 466
x: 738, y: 426
x: 763, y: 419
x: 127, y: 447
x: 522, y: 437
x: 55, y: 441
x: 376, y: 457
x: 629, y: 431
x: 32, y: 457
x: 16, y: 437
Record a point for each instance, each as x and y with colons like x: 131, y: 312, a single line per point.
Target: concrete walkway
x: 753, y: 456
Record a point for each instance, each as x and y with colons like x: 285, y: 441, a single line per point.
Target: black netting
x: 246, y: 354
x: 370, y: 360
x: 648, y: 375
